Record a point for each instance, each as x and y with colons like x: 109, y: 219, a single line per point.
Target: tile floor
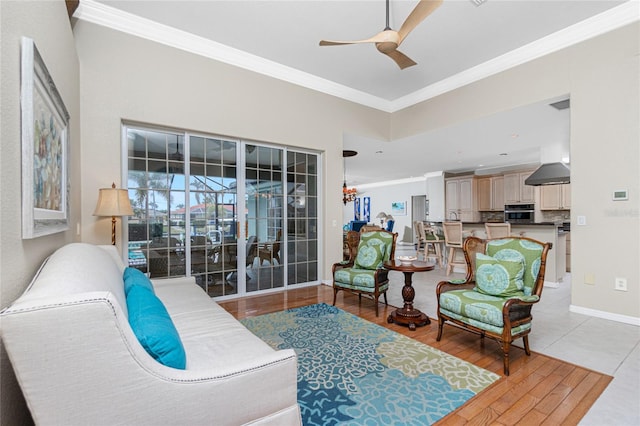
x: 602, y: 345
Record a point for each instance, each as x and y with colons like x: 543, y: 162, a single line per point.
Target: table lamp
x: 382, y: 216
x: 113, y: 202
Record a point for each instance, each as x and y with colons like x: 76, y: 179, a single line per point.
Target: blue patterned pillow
x: 370, y: 255
x: 499, y: 277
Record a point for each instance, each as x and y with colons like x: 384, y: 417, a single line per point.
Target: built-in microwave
x: 519, y: 213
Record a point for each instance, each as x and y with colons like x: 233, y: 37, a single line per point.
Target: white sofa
x: 78, y: 362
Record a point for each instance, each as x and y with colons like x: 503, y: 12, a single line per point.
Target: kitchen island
x: 546, y: 232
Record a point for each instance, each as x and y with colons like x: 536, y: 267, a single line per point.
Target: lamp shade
x: 381, y: 215
x: 113, y: 202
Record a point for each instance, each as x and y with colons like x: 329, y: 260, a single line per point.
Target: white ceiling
x: 457, y: 44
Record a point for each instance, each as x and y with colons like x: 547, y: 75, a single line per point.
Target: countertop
x: 557, y: 224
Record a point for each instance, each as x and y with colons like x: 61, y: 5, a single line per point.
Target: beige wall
x: 602, y: 77
x: 47, y: 24
x: 129, y: 78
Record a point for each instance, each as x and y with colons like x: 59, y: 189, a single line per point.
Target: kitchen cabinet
x: 515, y: 191
x: 497, y: 193
x: 460, y: 199
x: 555, y: 197
x: 483, y: 187
x: 490, y: 194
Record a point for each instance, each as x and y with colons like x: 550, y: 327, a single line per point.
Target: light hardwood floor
x: 540, y: 390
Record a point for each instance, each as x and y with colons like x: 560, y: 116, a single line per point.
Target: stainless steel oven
x: 519, y: 213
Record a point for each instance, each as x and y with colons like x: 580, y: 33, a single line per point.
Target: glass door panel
x: 213, y: 215
x: 264, y: 201
x: 156, y: 185
x: 302, y: 217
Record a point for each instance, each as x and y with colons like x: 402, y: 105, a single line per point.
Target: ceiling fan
x: 387, y: 41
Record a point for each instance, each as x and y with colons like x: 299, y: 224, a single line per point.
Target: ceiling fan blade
x: 400, y: 58
x: 417, y: 15
x: 378, y: 38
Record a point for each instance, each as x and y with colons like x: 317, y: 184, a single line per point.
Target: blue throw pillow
x: 135, y: 277
x: 154, y: 329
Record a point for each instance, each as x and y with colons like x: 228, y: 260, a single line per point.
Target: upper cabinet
x: 555, y: 197
x: 490, y: 194
x: 460, y: 199
x: 515, y: 191
x: 497, y: 193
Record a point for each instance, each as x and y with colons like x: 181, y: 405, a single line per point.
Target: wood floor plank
x: 518, y: 410
x: 564, y: 413
x: 540, y: 389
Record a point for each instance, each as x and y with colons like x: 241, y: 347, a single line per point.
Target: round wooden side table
x: 407, y: 315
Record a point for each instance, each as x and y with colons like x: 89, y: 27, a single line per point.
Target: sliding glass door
x: 264, y: 217
x: 225, y: 212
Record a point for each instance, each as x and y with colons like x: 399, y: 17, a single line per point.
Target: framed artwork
x: 45, y: 149
x: 366, y: 211
x: 356, y: 209
x: 399, y: 208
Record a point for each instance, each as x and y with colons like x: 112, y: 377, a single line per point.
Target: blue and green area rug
x: 351, y: 371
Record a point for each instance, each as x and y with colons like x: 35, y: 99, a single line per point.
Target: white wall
x: 46, y: 22
x: 435, y: 195
x: 381, y: 198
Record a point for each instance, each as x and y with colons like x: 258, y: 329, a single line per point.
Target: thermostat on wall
x: 620, y: 195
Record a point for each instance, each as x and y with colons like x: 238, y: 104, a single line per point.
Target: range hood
x: 549, y: 174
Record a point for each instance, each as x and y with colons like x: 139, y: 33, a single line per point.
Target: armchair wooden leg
x: 505, y: 350
x: 440, y: 325
x: 385, y: 299
x: 335, y: 294
x: 375, y: 300
x: 525, y: 339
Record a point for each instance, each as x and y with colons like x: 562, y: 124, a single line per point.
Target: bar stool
x: 429, y: 244
x: 453, y: 240
x: 497, y: 230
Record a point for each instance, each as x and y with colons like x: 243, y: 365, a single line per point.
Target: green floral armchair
x: 504, y: 279
x: 363, y: 273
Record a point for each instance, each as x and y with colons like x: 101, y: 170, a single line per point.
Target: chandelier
x: 348, y: 194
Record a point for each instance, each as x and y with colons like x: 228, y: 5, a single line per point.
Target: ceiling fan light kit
x: 387, y: 41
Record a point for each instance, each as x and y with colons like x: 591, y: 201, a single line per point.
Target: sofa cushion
x: 499, y: 277
x: 480, y: 310
x: 154, y: 329
x: 135, y: 277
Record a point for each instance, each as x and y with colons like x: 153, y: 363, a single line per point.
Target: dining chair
x: 429, y: 243
x: 497, y: 230
x: 271, y: 252
x: 453, y: 239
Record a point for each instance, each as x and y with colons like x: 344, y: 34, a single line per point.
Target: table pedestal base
x: 413, y: 318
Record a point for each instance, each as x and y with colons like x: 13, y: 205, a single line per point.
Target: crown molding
x: 110, y: 17
x: 392, y: 182
x: 614, y: 18
x: 101, y: 14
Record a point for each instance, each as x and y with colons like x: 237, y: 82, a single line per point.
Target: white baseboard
x: 551, y: 284
x: 605, y: 315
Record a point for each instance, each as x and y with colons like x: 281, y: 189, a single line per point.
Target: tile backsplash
x: 541, y: 216
x: 556, y: 215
